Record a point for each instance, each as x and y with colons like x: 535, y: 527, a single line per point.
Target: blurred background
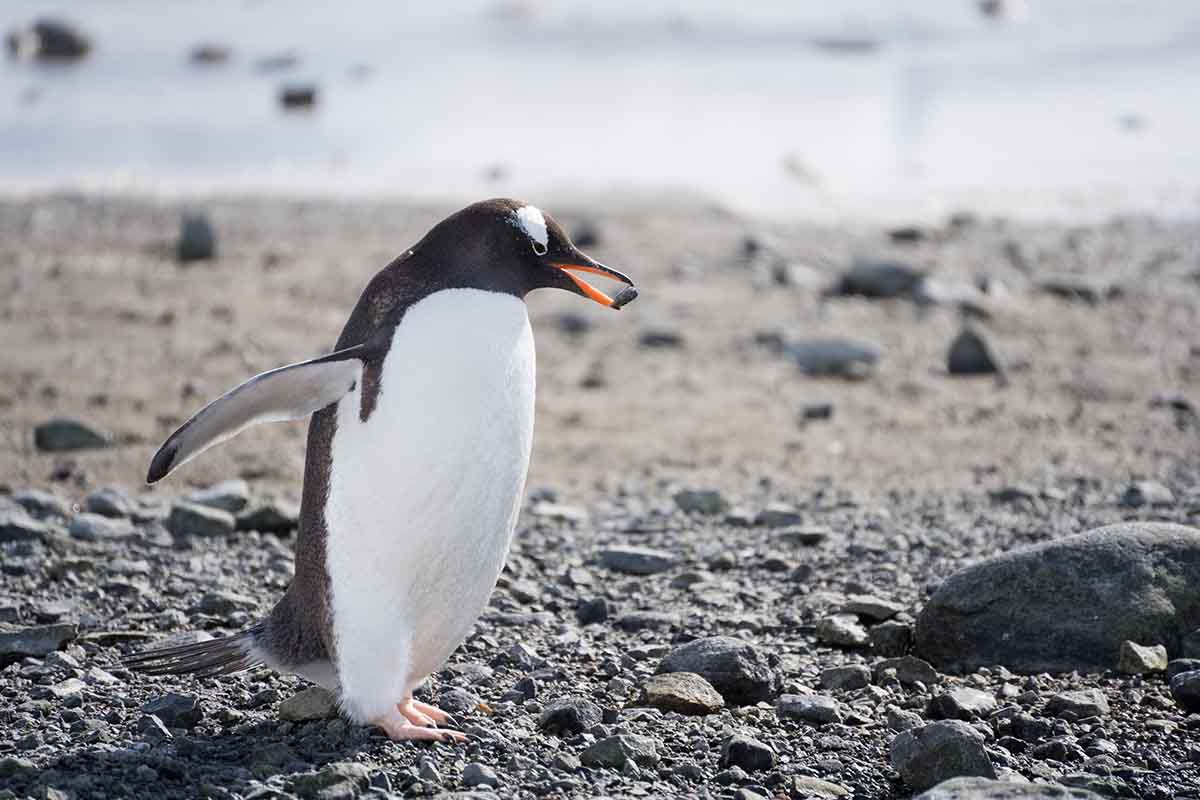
x: 1067, y: 109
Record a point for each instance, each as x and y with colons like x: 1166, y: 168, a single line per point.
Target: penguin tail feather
x: 223, y: 656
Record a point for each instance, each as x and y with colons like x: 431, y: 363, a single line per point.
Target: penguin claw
x: 433, y: 712
x: 405, y: 731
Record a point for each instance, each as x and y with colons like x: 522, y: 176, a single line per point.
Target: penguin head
x: 513, y: 247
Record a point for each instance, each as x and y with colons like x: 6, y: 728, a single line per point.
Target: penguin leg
x: 427, y: 716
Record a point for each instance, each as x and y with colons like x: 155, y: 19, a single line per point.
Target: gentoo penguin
x: 422, y: 424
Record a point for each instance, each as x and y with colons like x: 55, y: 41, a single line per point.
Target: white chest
x: 424, y: 495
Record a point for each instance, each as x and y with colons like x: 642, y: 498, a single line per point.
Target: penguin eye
x: 540, y: 248
x: 532, y: 223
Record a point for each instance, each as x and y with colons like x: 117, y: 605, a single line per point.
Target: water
x: 1071, y: 109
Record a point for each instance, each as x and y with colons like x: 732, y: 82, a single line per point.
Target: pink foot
x: 399, y: 730
x: 433, y: 712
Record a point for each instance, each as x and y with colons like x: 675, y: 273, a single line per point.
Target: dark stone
x: 210, y: 54
x: 595, y: 610
x: 1147, y: 493
x: 879, y: 279
x: 197, y: 239
x: 109, y: 502
x: 986, y: 789
x: 298, y: 96
x: 891, y: 638
x: 746, y: 752
x: 95, y: 528
x: 683, y: 692
x: 231, y: 496
x: 928, y: 755
x: 1138, y: 581
x: 909, y: 670
x: 815, y: 708
x: 617, y: 751
x: 62, y: 434
x: 661, y: 338
x: 1179, y: 665
x: 333, y: 782
x: 569, y: 715
x: 970, y: 355
x: 1185, y: 688
x: 42, y: 505
x: 737, y: 669
x: 962, y: 703
x: 647, y: 620
x: 845, y: 678
x: 637, y: 560
x: 36, y: 642
x: 176, y: 710
x: 476, y: 774
x: 275, y: 516
x: 188, y: 519
x: 834, y: 357
x: 1078, y: 704
x: 701, y: 501
x: 17, y: 526
x: 49, y: 40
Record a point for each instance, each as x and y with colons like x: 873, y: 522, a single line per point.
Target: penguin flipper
x: 286, y: 393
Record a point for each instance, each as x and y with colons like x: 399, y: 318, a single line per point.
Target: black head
x: 513, y: 247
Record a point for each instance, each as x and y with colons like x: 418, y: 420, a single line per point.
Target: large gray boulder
x: 985, y: 789
x: 1067, y: 604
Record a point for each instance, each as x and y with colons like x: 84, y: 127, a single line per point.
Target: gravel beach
x: 740, y: 568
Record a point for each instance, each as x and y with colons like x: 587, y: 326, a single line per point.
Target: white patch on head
x: 530, y: 220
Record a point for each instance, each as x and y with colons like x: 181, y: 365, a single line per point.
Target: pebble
x: 708, y: 502
x: 1147, y: 493
x: 1139, y: 659
x: 1078, y: 704
x: 197, y: 238
x: 63, y: 434
x: 660, y: 338
x: 891, y: 639
x: 109, y: 502
x: 878, y: 279
x: 596, y: 609
x: 682, y: 692
x: 188, y: 519
x: 476, y: 774
x: 222, y: 603
x: 35, y: 642
x: 745, y: 752
x: 89, y: 527
x: 175, y: 710
x: 308, y: 704
x: 273, y: 516
x: 1185, y: 688
x: 738, y: 670
x: 636, y: 560
x: 569, y: 715
x: 871, y: 607
x: 812, y: 788
x: 909, y: 670
x: 969, y: 354
x: 17, y: 526
x: 41, y: 504
x: 935, y: 752
x: 231, y: 496
x: 298, y: 96
x: 963, y: 703
x: 842, y: 630
x: 833, y: 357
x: 815, y: 708
x: 845, y: 678
x: 153, y: 730
x: 779, y: 515
x: 618, y: 751
x: 49, y: 40
x: 339, y: 781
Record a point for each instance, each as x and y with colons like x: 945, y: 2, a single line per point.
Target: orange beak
x: 623, y: 297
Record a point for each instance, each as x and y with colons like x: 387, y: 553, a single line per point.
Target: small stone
x: 340, y: 781
x: 153, y: 730
x: 683, y: 692
x: 49, y: 40
x: 273, y: 516
x: 835, y: 357
x: 1147, y: 493
x: 188, y: 519
x: 231, y: 496
x: 476, y: 774
x: 746, y: 752
x: 741, y: 672
x: 17, y: 526
x: 891, y: 638
x: 928, y: 755
x: 223, y: 603
x: 41, y: 504
x: 962, y: 703
x: 594, y: 610
x: 1139, y: 659
x: 109, y: 502
x: 709, y: 502
x: 802, y: 536
x: 96, y: 528
x: 617, y: 751
x: 816, y: 411
x: 209, y: 54
x: 779, y: 515
x: 815, y: 708
x: 36, y: 642
x: 970, y: 355
x: 878, y: 279
x: 62, y: 434
x: 1185, y: 688
x: 197, y: 238
x: 901, y: 720
x: 1079, y: 704
x: 871, y: 607
x: 842, y: 630
x: 427, y: 771
x: 812, y: 788
x: 558, y: 512
x: 298, y: 96
x: 308, y: 704
x: 909, y: 670
x: 70, y: 689
x: 845, y: 678
x: 176, y: 710
x: 660, y: 338
x: 1058, y: 750
x: 569, y: 715
x: 647, y: 620
x: 565, y: 762
x: 636, y: 560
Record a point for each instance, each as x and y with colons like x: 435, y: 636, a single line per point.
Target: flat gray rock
x: 985, y: 789
x: 61, y: 434
x: 1067, y: 604
x: 682, y: 692
x: 737, y: 669
x: 616, y: 751
x: 928, y: 755
x: 189, y: 519
x: 36, y: 642
x: 637, y: 560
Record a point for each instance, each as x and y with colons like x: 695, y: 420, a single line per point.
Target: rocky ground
x: 750, y: 490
